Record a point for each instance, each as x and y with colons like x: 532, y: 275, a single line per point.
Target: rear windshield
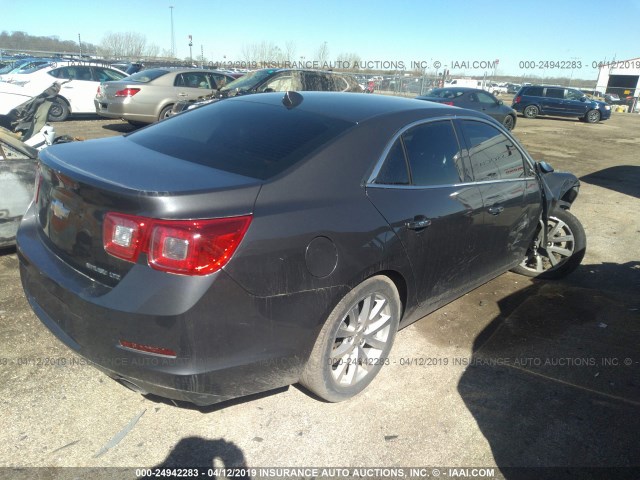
x: 146, y: 76
x: 251, y: 139
x: 444, y: 93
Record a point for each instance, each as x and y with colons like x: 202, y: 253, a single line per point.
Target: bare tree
x: 348, y: 61
x: 290, y: 49
x: 322, y: 54
x: 119, y: 45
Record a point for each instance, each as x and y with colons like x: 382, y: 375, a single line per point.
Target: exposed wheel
x: 59, y: 110
x: 592, y: 116
x: 531, y: 111
x: 509, y: 122
x: 565, y: 249
x: 355, y: 341
x: 165, y: 112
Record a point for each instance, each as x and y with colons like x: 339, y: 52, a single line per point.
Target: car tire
x: 350, y: 350
x: 531, y: 111
x: 165, y: 112
x: 59, y: 110
x: 567, y: 243
x: 509, y: 122
x: 592, y: 116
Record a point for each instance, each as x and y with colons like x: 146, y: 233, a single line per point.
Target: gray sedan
x: 474, y: 99
x: 149, y: 95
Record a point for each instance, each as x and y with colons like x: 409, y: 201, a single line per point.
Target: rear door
x: 553, y: 101
x: 80, y: 90
x: 420, y: 190
x: 192, y: 85
x: 510, y: 193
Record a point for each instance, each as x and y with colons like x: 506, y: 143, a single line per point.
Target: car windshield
x: 246, y: 138
x: 248, y: 81
x: 146, y: 76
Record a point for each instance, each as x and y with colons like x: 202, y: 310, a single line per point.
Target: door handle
x: 183, y: 94
x: 419, y: 222
x: 496, y: 210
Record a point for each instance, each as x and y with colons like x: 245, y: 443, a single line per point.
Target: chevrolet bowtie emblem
x: 59, y: 210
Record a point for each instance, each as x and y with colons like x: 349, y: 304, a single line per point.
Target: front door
x: 510, y: 193
x: 421, y: 191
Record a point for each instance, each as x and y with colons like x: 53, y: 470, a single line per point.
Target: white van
x: 464, y: 82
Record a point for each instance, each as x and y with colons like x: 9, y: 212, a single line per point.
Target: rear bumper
x: 228, y: 343
x: 119, y: 110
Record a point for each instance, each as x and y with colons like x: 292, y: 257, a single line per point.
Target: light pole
x: 80, y: 45
x: 190, y: 53
x: 173, y: 38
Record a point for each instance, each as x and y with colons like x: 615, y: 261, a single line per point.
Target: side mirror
x: 500, y: 102
x: 544, y: 167
x: 583, y: 99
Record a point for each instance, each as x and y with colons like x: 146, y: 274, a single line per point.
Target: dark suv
x: 534, y: 100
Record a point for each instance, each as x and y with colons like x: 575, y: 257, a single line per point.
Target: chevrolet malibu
x: 280, y: 238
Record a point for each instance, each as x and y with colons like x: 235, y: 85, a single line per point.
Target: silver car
x: 149, y: 95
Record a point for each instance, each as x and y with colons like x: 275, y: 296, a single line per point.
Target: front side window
x: 493, y: 155
x: 574, y: 94
x: 433, y: 153
x: 486, y: 99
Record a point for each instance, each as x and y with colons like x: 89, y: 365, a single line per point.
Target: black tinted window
x: 318, y: 82
x: 555, y: 93
x: 493, y: 155
x: 533, y: 91
x: 434, y: 154
x: 394, y: 169
x: 242, y: 137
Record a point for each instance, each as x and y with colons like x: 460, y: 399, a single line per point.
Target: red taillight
x: 167, y: 352
x: 516, y: 100
x: 448, y: 103
x: 189, y: 247
x: 98, y: 91
x: 127, y: 92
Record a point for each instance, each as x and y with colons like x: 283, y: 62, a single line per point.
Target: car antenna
x: 292, y: 99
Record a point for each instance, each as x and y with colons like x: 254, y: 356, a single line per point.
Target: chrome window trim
x: 370, y: 180
x: 450, y: 185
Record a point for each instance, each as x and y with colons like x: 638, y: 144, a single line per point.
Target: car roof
x: 356, y: 107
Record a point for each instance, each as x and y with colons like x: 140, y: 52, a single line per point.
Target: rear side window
x: 242, y: 137
x: 318, y: 82
x: 493, y: 155
x: 434, y: 154
x: 282, y: 82
x: 533, y: 91
x: 555, y: 93
x: 394, y: 169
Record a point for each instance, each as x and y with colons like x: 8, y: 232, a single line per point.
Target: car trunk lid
x: 81, y: 182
